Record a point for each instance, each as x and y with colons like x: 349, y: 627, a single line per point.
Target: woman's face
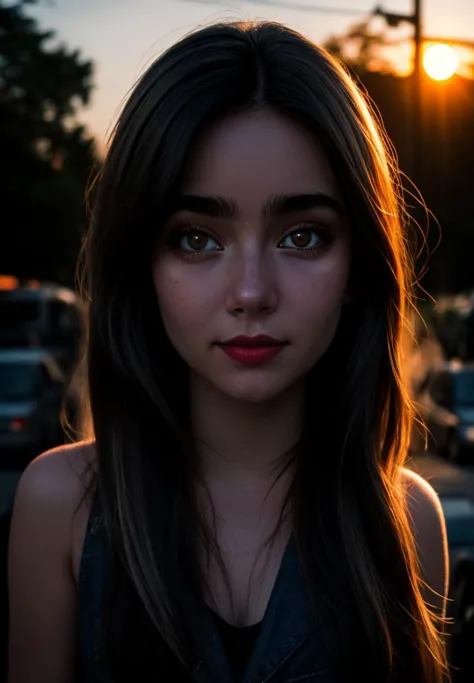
x: 257, y: 244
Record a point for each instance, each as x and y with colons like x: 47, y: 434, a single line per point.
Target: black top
x: 238, y: 642
x: 293, y: 646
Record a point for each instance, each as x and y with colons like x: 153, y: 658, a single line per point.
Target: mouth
x: 252, y: 350
x: 252, y: 342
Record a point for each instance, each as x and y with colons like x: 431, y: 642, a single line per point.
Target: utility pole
x: 417, y: 36
x: 415, y: 19
x: 417, y: 121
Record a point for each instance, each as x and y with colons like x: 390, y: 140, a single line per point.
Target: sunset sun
x: 440, y: 62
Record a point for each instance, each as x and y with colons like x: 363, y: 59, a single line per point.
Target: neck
x: 242, y: 440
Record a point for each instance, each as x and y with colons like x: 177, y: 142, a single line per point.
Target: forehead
x: 253, y: 155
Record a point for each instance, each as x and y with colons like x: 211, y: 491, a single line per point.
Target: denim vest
x: 290, y: 647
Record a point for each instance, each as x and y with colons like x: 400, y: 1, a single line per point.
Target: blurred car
x: 32, y: 387
x: 41, y: 315
x: 455, y: 487
x: 452, y: 388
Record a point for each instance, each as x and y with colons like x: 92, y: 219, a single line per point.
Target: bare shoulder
x: 48, y: 521
x: 59, y: 477
x: 423, y: 503
x: 55, y: 487
x: 429, y: 529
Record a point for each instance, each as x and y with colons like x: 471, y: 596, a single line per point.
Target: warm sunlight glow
x: 440, y: 62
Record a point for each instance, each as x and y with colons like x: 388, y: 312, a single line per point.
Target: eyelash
x: 178, y: 234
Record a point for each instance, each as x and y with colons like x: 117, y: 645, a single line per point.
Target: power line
x: 299, y: 7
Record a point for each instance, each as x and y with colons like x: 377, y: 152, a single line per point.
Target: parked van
x: 41, y: 315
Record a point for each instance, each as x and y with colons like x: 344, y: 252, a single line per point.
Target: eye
x: 303, y: 238
x: 196, y: 240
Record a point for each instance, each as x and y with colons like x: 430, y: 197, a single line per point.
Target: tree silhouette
x: 45, y: 155
x: 362, y: 47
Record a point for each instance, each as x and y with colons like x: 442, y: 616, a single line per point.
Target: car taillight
x: 18, y: 424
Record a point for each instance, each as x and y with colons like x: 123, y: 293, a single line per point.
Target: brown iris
x: 197, y: 240
x: 301, y: 238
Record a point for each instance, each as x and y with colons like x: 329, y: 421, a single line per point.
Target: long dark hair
x: 349, y: 512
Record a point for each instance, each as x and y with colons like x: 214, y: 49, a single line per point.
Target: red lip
x: 258, y: 340
x: 252, y: 350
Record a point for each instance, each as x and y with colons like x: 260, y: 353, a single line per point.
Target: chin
x: 257, y: 391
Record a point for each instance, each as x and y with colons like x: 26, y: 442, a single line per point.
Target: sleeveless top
x: 288, y: 646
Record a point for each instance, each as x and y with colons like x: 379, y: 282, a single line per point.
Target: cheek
x: 181, y: 303
x: 317, y: 312
x: 171, y: 297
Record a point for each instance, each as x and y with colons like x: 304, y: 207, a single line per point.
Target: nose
x: 253, y: 286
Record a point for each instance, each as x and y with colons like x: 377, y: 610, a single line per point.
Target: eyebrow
x: 277, y: 205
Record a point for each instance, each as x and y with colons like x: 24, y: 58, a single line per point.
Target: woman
x: 242, y: 513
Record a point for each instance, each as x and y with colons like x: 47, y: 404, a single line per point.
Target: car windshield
x: 464, y: 388
x: 19, y: 319
x: 18, y: 381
